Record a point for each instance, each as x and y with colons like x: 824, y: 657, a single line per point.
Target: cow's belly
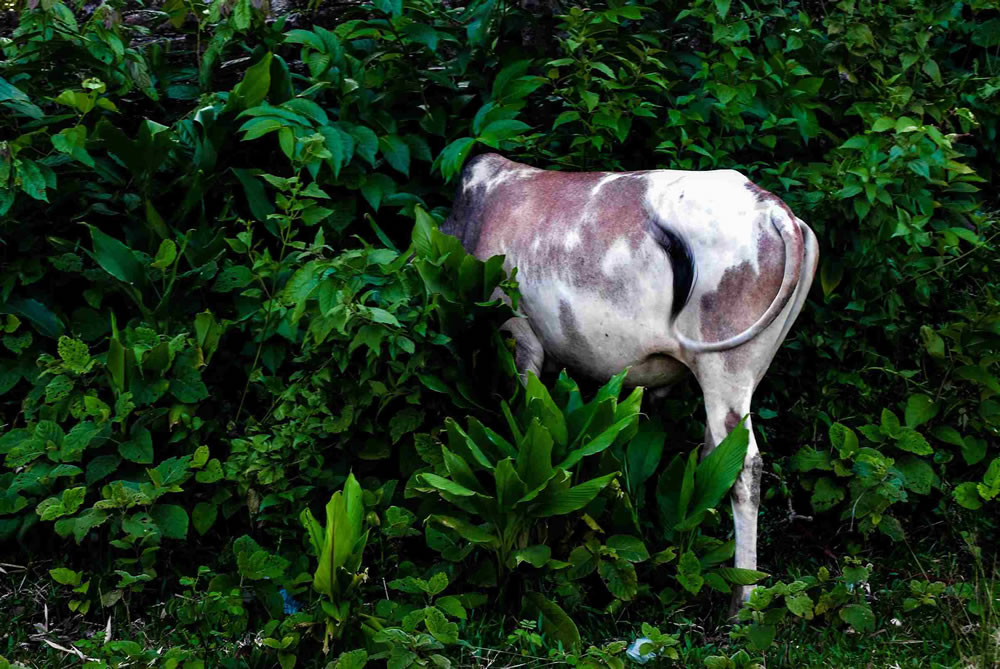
x: 600, y: 335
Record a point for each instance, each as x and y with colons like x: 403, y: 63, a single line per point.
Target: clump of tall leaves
x: 506, y: 486
x: 339, y: 546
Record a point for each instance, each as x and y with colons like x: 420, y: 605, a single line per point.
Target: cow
x: 659, y: 271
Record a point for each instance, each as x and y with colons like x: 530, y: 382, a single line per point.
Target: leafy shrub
x: 223, y: 292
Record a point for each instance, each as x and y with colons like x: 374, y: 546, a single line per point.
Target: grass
x: 39, y: 631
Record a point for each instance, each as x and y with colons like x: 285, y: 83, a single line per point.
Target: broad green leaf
x: 913, y: 442
x: 918, y: 474
x: 451, y: 605
x: 620, y: 578
x: 598, y: 443
x: 556, y: 624
x: 628, y: 547
x: 884, y: 123
x: 536, y: 556
x: 716, y: 474
x: 668, y: 494
x: 761, y: 635
x: 165, y: 255
x: 203, y: 516
x: 826, y: 494
x: 920, y: 409
x: 642, y: 456
x: 890, y: 424
x: 510, y: 488
x: 396, y: 152
x: 139, y: 448
x: 439, y: 627
x: 171, y: 519
x: 460, y: 473
x: 393, y: 7
x: 349, y: 523
x: 453, y: 157
x: 466, y: 447
x: 260, y: 204
x: 572, y: 499
x: 689, y: 573
x: 313, y: 530
x: 534, y: 457
x: 501, y: 130
x: 990, y: 487
x: 831, y: 274
x: 256, y: 82
x: 116, y: 259
x: 40, y: 316
x: 352, y: 659
x: 65, y: 576
x: 74, y: 353
x: 422, y: 236
x: 858, y: 616
x: 64, y: 505
x: 843, y: 439
x: 739, y: 576
x: 465, y: 530
x: 258, y: 127
x: 542, y: 407
x: 967, y: 495
x: 801, y: 604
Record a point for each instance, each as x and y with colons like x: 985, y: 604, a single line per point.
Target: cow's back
x: 606, y: 259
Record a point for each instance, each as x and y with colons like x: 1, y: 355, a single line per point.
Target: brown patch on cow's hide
x: 766, y: 197
x: 530, y: 218
x: 732, y: 420
x: 743, y: 294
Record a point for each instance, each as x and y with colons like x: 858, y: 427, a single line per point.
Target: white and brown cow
x: 659, y: 271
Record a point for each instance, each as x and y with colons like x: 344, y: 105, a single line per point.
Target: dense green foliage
x: 225, y: 306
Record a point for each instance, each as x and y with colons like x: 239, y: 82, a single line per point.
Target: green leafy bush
x: 224, y: 298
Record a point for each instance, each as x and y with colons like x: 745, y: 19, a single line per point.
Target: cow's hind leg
x: 528, y: 354
x: 727, y: 400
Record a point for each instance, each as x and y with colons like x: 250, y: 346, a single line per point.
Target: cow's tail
x: 791, y: 235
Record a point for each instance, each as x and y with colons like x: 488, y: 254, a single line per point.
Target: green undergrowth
x: 257, y: 411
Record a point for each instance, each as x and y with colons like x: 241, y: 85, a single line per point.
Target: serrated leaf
x: 620, y: 578
x: 913, y: 442
x: 689, y: 573
x: 439, y: 627
x: 801, y: 604
x: 74, y: 353
x: 858, y: 616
